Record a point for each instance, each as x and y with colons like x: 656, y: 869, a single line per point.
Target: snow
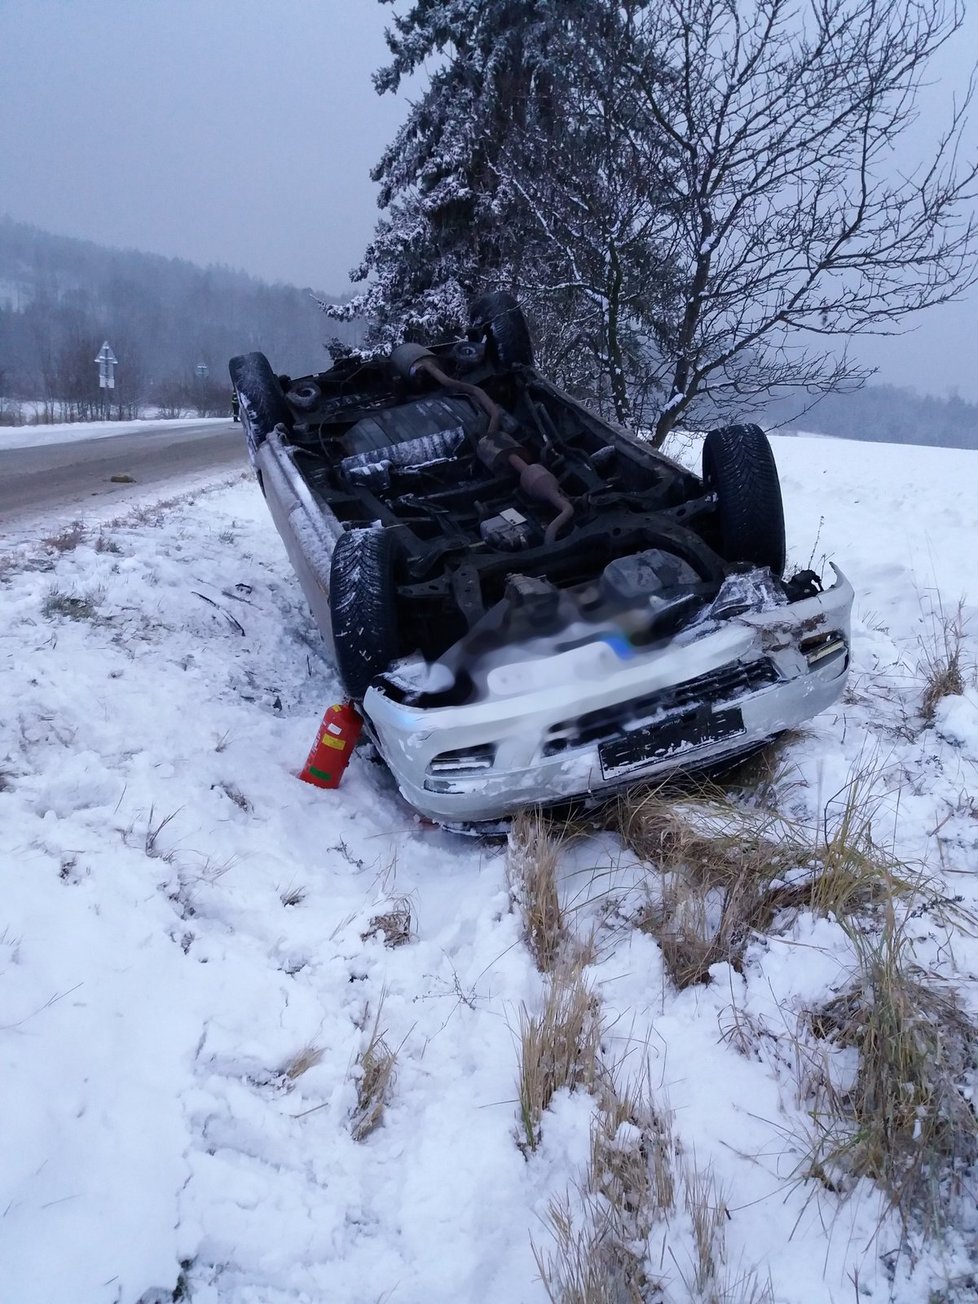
x: 156, y: 986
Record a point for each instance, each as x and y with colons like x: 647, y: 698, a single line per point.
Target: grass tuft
x: 304, y: 1060
x: 707, y: 1210
x: 903, y: 1118
x: 709, y: 1278
x: 640, y: 1186
x: 587, y: 1263
x: 151, y: 838
x: 75, y: 607
x: 394, y: 925
x: 559, y: 1049
x: 533, y: 858
x: 632, y: 1157
x: 68, y: 539
x: 726, y: 873
x: 235, y: 795
x: 375, y: 1076
x: 941, y: 662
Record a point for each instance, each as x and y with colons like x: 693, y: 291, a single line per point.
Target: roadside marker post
x: 107, y: 363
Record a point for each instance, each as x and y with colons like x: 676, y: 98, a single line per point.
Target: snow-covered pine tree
x: 454, y: 224
x: 597, y: 275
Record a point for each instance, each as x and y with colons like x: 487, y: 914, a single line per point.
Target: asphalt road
x: 76, y: 474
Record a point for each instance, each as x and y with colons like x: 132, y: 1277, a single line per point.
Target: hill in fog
x: 61, y: 297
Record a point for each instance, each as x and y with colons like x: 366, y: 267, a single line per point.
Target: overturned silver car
x: 530, y: 604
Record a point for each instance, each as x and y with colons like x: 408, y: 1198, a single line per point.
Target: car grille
x: 727, y: 684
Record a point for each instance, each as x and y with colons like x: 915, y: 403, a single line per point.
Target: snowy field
x: 191, y: 967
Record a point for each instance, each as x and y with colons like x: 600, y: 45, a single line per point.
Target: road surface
x: 79, y: 473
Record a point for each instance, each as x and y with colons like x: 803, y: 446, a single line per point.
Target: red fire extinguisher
x: 335, y: 740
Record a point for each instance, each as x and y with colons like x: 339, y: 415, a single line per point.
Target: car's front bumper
x: 599, y: 717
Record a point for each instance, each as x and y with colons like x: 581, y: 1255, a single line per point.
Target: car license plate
x: 656, y: 742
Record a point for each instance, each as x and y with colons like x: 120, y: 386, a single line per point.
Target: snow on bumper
x: 589, y: 720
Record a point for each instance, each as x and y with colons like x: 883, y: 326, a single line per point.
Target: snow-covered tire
x: 739, y: 467
x: 362, y: 601
x: 261, y: 397
x: 499, y: 317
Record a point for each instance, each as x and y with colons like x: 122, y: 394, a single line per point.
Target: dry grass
x: 707, y: 1276
x: 599, y: 1242
x: 942, y: 662
x: 375, y: 1076
x: 394, y: 924
x: 304, y: 1060
x: 151, y: 838
x: 903, y: 1118
x: 559, y: 1049
x: 533, y: 857
x: 67, y: 539
x: 707, y: 1210
x: 235, y: 795
x: 746, y: 1033
x: 692, y: 936
x: 886, y: 1078
x: 641, y: 1186
x: 726, y: 873
x: 74, y: 606
x: 293, y: 896
x: 632, y: 1157
x: 586, y: 1263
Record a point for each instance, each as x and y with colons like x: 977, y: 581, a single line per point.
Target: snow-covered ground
x: 183, y: 921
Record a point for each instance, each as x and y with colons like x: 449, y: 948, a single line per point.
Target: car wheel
x: 499, y: 317
x: 739, y: 467
x: 363, y: 609
x: 306, y: 395
x: 261, y: 398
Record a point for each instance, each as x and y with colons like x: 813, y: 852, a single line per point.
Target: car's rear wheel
x: 362, y: 601
x: 499, y: 317
x: 739, y: 467
x: 261, y: 397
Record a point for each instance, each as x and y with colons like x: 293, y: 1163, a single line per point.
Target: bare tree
x: 797, y: 218
x: 75, y: 377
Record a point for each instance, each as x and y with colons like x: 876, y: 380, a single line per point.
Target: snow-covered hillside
x: 196, y: 948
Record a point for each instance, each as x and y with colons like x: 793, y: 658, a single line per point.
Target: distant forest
x: 60, y: 298
x: 884, y: 414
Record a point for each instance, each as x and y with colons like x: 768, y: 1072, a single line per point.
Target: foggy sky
x: 242, y: 132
